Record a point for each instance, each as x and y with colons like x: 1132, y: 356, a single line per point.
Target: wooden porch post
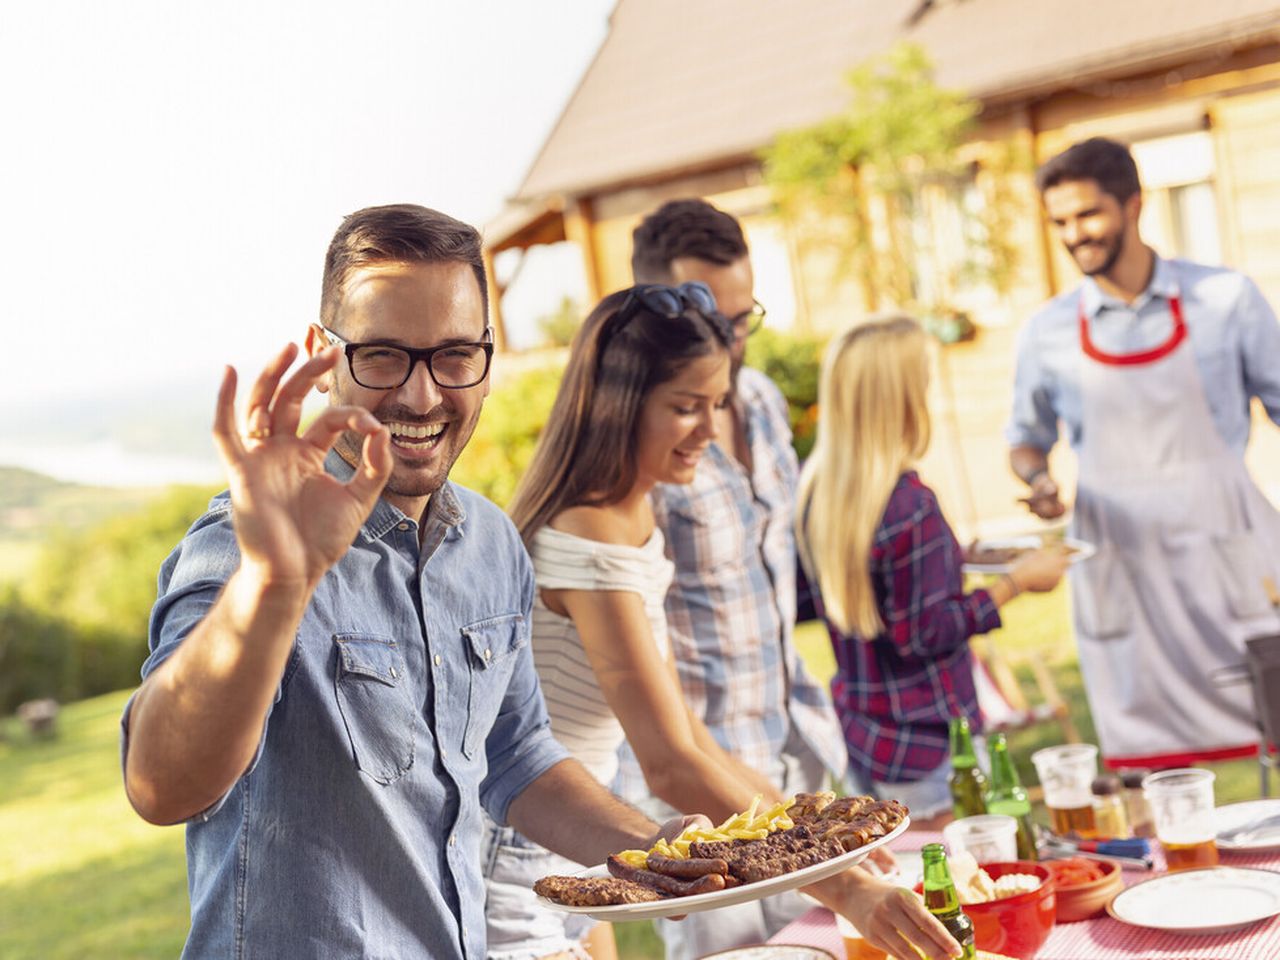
x: 496, y: 319
x: 579, y: 228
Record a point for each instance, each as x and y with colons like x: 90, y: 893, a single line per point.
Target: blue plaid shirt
x: 731, y: 609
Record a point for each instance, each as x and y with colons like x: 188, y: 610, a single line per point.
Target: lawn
x: 82, y: 878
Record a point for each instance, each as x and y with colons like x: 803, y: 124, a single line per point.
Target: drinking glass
x: 1181, y: 803
x: 991, y: 838
x: 1066, y: 773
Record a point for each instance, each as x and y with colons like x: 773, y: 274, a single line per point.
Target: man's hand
x: 293, y: 521
x: 1043, y: 500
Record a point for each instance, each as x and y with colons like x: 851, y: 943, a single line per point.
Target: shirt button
x: 393, y: 673
x: 488, y: 653
x: 444, y: 754
x: 402, y: 526
x: 437, y: 659
x: 453, y: 839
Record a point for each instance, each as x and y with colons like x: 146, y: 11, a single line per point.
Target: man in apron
x: 1151, y: 365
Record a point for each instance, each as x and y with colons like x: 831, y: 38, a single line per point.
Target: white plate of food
x: 997, y: 555
x: 743, y: 893
x: 1252, y: 825
x: 1208, y: 900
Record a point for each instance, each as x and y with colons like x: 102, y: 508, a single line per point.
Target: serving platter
x: 1208, y: 900
x: 1080, y: 550
x: 744, y: 893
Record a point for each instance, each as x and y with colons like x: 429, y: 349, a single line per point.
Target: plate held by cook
x: 1080, y: 550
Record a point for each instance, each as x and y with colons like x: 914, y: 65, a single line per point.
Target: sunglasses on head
x: 668, y: 302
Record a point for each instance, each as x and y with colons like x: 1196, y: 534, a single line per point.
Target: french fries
x: 751, y: 824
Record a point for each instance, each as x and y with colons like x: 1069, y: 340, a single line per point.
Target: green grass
x: 82, y: 878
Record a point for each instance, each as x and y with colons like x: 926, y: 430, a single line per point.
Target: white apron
x: 1185, y: 541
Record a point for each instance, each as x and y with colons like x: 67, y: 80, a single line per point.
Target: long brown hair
x: 586, y: 454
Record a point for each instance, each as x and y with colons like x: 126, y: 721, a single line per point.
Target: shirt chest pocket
x: 718, y: 536
x: 375, y: 705
x: 491, y: 646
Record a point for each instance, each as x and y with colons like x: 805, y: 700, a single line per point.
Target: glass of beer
x: 1181, y: 803
x: 1067, y: 773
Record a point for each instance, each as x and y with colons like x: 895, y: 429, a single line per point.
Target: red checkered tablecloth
x: 1101, y: 938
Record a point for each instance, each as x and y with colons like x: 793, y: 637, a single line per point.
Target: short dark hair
x: 398, y: 233
x: 1107, y: 162
x: 684, y: 228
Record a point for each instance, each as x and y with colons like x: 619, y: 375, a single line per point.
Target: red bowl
x: 1016, y: 926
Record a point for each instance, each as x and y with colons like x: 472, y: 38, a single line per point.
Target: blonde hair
x: 874, y: 425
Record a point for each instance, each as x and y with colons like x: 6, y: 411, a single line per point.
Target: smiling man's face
x: 415, y: 305
x: 1092, y: 224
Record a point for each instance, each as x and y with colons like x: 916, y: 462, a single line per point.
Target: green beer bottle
x: 967, y: 781
x: 1005, y: 795
x: 942, y: 901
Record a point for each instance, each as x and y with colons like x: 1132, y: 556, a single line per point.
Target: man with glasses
x: 340, y: 675
x: 732, y: 606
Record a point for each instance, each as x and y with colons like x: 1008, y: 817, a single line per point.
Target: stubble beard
x: 1113, y: 254
x: 408, y: 481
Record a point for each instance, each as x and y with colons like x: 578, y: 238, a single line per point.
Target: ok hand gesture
x: 293, y: 520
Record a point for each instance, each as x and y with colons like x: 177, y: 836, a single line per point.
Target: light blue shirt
x: 1232, y: 329
x: 409, y: 702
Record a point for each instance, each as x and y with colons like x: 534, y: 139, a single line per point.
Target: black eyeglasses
x: 748, y: 321
x: 380, y: 366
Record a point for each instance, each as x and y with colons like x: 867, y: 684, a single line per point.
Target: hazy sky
x: 172, y: 174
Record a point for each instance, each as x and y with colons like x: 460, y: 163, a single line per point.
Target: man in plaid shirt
x: 731, y: 610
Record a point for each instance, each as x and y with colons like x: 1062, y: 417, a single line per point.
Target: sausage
x: 689, y: 868
x: 671, y: 886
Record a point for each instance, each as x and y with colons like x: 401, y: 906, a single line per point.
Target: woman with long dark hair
x: 636, y: 408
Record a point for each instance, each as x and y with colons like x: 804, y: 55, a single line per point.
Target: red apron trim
x: 1135, y: 359
x: 1166, y: 760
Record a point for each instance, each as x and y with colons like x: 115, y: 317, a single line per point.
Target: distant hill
x: 33, y: 505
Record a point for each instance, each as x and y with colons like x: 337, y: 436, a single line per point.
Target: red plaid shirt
x: 895, y: 692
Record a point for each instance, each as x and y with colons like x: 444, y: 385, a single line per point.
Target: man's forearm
x: 1028, y: 462
x: 567, y: 811
x: 196, y: 722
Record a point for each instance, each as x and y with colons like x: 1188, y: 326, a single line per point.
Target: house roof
x: 679, y: 84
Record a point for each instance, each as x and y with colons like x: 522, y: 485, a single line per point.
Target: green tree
x: 559, y: 327
x: 898, y: 136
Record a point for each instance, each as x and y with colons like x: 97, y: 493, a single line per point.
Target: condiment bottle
x: 941, y: 899
x: 1136, y: 809
x: 967, y: 781
x: 1109, y: 808
x: 1005, y: 795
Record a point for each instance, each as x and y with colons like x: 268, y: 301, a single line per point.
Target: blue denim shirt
x: 409, y: 702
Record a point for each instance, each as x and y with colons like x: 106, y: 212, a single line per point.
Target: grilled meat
x: 593, y: 891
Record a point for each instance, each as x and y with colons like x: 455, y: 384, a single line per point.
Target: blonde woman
x: 887, y: 567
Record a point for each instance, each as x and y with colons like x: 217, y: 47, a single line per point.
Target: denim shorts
x: 518, y: 927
